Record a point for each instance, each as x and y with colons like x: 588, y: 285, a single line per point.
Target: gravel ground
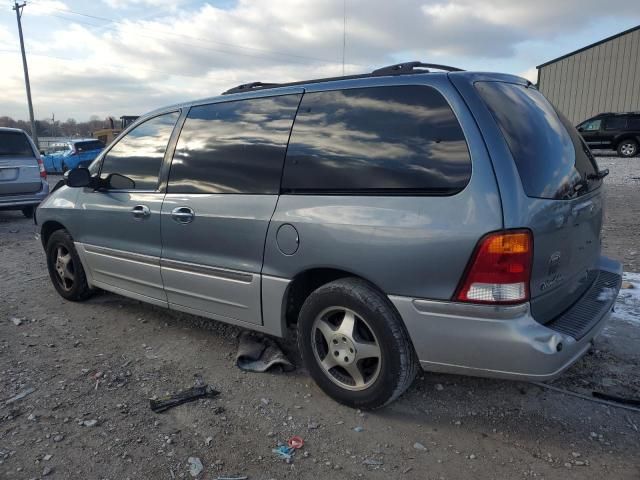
x: 94, y: 365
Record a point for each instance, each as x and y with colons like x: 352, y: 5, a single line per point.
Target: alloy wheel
x: 346, y: 348
x: 628, y: 149
x: 64, y: 268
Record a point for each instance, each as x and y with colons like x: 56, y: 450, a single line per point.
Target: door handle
x: 140, y: 211
x: 183, y: 214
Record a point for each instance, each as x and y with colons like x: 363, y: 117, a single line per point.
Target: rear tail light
x: 43, y: 172
x: 500, y: 270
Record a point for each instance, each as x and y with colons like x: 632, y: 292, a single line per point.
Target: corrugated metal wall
x: 604, y: 78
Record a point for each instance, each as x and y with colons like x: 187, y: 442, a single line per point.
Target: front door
x: 590, y: 131
x: 120, y: 237
x: 222, y: 191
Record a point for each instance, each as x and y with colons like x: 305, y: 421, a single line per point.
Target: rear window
x: 91, y: 145
x: 552, y: 159
x: 388, y: 140
x: 634, y: 123
x: 15, y: 144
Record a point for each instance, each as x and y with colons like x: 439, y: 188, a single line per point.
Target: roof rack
x: 410, y: 67
x: 397, y: 69
x: 250, y: 86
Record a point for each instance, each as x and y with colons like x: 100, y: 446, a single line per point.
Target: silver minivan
x: 405, y: 218
x: 23, y: 180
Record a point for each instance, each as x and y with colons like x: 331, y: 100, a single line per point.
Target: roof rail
x: 409, y: 67
x: 398, y: 69
x: 250, y: 86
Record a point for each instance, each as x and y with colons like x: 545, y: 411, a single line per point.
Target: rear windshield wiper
x: 598, y: 176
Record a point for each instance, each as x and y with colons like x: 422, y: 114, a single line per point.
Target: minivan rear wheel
x: 65, y: 269
x: 354, y: 344
x: 628, y: 148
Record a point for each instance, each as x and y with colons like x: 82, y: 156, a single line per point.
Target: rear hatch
x: 563, y: 199
x: 19, y: 170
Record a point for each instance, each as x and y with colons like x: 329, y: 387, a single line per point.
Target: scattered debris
x: 47, y: 471
x: 16, y: 321
x: 235, y: 477
x: 358, y: 429
x: 195, y: 466
x: 208, y: 441
x: 165, y: 403
x: 372, y: 462
x: 47, y: 457
x: 265, y: 401
x: 627, y: 285
x: 615, y: 398
x: 58, y: 438
x: 257, y: 353
x: 296, y: 442
x: 20, y: 396
x: 90, y: 423
x: 419, y: 446
x: 284, y: 452
x: 472, y: 456
x: 439, y: 387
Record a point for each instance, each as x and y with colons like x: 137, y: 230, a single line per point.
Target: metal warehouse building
x: 601, y: 77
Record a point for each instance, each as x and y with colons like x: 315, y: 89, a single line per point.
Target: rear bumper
x: 22, y: 200
x: 505, y: 342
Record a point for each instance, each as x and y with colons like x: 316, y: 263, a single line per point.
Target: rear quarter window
x: 386, y: 140
x: 552, y: 159
x: 15, y: 144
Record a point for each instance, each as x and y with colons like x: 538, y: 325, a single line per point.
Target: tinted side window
x: 552, y: 159
x: 398, y: 139
x: 615, y: 123
x: 233, y: 147
x: 138, y: 155
x: 634, y: 123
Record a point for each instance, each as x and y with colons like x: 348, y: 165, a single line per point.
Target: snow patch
x: 627, y: 307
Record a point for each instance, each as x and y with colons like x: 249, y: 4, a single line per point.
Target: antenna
x: 344, y: 31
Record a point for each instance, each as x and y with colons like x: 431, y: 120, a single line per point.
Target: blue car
x: 72, y: 154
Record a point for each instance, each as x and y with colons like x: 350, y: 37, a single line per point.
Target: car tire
x: 355, y: 345
x: 65, y: 269
x: 628, y: 148
x: 28, y: 211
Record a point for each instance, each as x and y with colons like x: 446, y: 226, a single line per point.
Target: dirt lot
x: 94, y: 365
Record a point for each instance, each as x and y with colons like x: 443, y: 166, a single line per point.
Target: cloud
x: 82, y: 66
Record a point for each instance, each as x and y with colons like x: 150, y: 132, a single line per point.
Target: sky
x: 127, y: 57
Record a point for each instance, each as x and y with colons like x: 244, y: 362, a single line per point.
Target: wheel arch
x: 47, y: 230
x: 626, y: 136
x: 309, y: 280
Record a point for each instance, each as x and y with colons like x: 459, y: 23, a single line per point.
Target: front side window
x: 591, y: 125
x: 615, y: 123
x: 233, y: 147
x: 138, y: 155
x: 386, y: 140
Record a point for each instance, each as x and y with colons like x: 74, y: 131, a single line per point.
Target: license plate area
x: 8, y: 174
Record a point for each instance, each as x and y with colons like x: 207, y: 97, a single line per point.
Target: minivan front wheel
x: 628, y: 148
x: 65, y: 268
x: 354, y: 344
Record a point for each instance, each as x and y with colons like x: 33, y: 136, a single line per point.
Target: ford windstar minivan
x: 416, y: 216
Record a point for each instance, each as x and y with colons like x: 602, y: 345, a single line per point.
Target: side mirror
x: 42, y: 152
x: 78, y: 178
x: 580, y: 129
x: 115, y: 181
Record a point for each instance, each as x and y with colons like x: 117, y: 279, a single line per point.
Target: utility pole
x: 18, y: 8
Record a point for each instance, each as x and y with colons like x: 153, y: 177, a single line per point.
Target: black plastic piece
x: 409, y: 67
x: 250, y: 86
x: 398, y: 69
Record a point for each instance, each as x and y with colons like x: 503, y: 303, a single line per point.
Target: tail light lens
x: 43, y: 172
x: 500, y: 270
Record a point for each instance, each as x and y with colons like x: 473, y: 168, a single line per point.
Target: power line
x: 191, y: 37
